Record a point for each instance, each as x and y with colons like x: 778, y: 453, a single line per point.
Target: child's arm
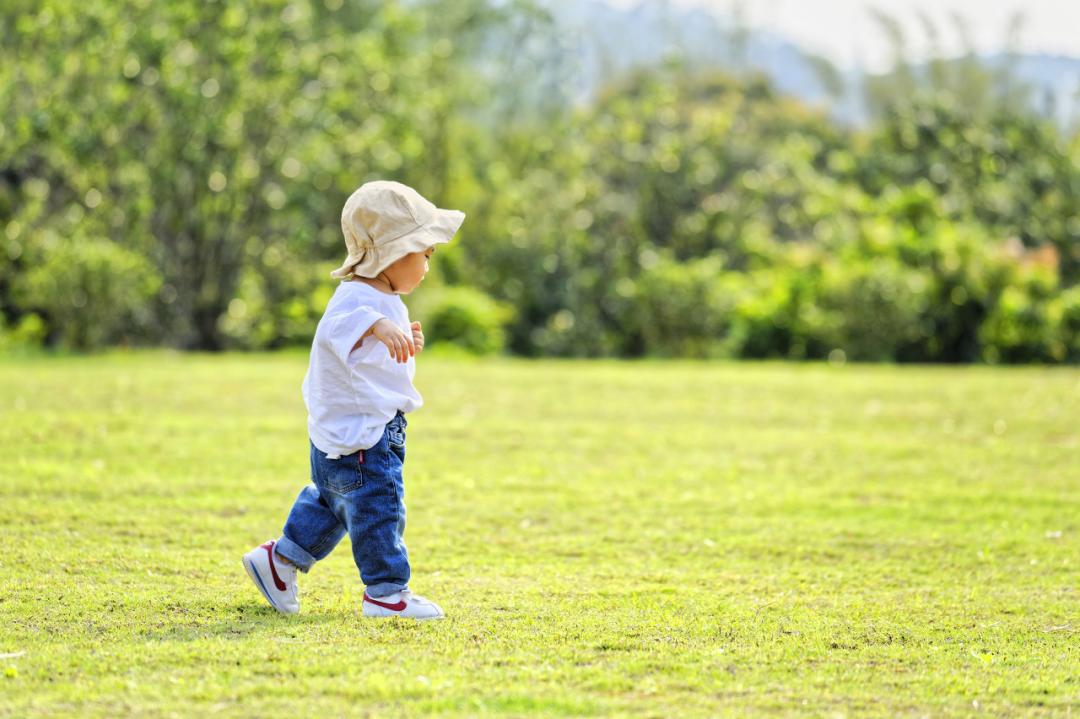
x: 343, y: 332
x: 400, y: 345
x: 364, y: 336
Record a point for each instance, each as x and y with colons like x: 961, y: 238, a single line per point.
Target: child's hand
x: 401, y: 346
x: 417, y: 337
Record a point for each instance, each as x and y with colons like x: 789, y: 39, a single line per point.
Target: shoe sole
x: 257, y: 581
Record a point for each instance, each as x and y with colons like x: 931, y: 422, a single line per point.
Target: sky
x: 844, y: 30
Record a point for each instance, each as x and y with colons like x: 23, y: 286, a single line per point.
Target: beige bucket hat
x: 384, y: 221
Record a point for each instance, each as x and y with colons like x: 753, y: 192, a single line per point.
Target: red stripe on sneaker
x: 269, y: 547
x: 400, y: 605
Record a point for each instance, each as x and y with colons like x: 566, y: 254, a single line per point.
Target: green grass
x: 639, y: 539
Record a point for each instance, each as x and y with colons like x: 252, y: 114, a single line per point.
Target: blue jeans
x: 362, y: 493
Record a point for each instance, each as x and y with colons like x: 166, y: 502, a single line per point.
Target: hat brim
x: 445, y: 225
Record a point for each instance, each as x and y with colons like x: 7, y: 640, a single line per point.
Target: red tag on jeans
x: 360, y: 457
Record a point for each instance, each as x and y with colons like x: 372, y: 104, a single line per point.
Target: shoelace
x: 416, y: 598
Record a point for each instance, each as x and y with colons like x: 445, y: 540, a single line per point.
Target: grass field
x: 638, y: 539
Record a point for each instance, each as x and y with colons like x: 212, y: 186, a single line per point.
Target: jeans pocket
x: 396, y: 437
x: 343, y: 475
x: 395, y: 441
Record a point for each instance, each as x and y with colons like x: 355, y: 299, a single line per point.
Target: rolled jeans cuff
x: 384, y: 589
x: 295, y: 554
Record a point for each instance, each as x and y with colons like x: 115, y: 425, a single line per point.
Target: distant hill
x: 1055, y: 79
x: 607, y: 41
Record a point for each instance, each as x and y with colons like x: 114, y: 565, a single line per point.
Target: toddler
x: 358, y: 389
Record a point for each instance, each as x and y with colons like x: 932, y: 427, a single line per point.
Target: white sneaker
x: 274, y: 578
x: 402, y: 604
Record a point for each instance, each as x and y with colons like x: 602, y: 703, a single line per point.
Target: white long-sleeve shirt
x: 351, y: 395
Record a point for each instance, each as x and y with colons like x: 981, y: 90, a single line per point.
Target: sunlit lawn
x: 647, y: 539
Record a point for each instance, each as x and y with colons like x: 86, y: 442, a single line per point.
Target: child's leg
x: 312, y: 529
x: 377, y: 525
x: 374, y: 511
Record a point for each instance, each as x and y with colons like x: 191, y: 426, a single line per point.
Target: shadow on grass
x: 242, y: 622
x: 258, y: 621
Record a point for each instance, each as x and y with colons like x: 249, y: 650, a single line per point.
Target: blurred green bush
x: 1029, y: 321
x: 462, y: 316
x: 874, y: 311
x: 88, y: 293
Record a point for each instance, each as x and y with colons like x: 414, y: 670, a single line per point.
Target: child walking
x: 357, y: 390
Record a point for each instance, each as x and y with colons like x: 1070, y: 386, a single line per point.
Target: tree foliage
x: 172, y: 173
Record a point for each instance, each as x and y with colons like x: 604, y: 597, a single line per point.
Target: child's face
x: 407, y: 272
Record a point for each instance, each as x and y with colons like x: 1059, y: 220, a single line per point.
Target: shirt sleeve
x: 344, y: 329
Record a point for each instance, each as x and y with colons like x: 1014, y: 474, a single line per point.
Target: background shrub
x: 90, y: 293
x: 463, y: 317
